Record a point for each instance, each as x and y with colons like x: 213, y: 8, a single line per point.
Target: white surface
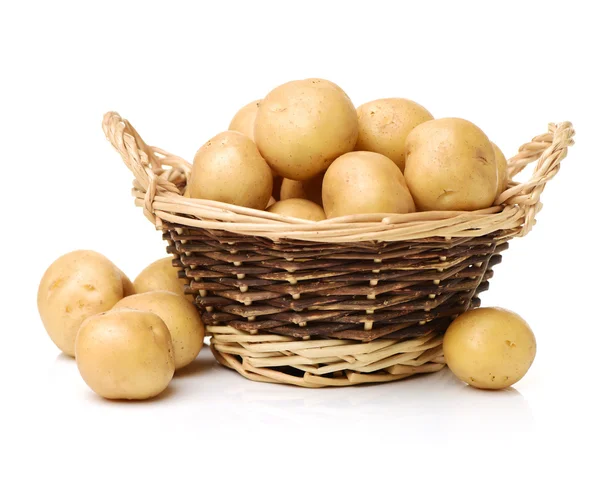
x: 179, y: 75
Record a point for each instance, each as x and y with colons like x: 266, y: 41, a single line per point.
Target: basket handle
x: 547, y: 150
x: 145, y: 162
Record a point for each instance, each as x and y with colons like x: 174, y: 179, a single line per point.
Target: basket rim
x: 161, y: 177
x: 397, y: 227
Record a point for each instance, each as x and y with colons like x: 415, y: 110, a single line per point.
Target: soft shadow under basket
x: 340, y: 302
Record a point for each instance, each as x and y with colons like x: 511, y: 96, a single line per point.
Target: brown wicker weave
x: 364, y: 298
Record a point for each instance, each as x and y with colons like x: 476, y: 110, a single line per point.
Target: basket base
x: 324, y: 362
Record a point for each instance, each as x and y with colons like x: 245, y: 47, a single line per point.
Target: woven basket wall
x: 364, y: 298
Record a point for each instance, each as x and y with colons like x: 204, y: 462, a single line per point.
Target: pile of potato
x: 127, y: 338
x: 305, y: 151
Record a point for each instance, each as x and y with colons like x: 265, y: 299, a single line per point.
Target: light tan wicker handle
x: 548, y: 150
x: 145, y: 162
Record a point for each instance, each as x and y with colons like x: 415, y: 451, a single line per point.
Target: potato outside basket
x: 359, y: 299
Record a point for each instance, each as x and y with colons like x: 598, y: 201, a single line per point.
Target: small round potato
x: 243, y: 121
x: 303, y: 125
x: 310, y: 189
x: 489, y: 348
x: 298, y: 208
x: 77, y: 285
x: 182, y: 319
x: 128, y: 288
x: 450, y: 165
x: 501, y: 165
x: 365, y: 182
x: 161, y: 276
x: 383, y: 126
x: 229, y: 168
x: 125, y: 354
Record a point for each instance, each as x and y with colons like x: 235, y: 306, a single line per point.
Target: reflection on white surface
x: 208, y: 404
x: 260, y: 430
x: 436, y: 402
x: 207, y: 407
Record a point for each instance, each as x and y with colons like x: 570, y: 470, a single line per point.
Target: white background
x: 179, y: 72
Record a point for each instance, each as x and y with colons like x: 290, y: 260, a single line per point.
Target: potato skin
x: 384, y: 124
x: 125, y: 354
x: 303, y: 125
x: 77, y: 285
x: 160, y: 276
x: 128, y: 288
x: 450, y: 165
x: 298, y: 208
x: 489, y: 348
x: 365, y: 182
x: 322, y: 83
x: 310, y: 189
x: 243, y: 121
x: 502, y: 166
x: 229, y: 168
x: 181, y: 317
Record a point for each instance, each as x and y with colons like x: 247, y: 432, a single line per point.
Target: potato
x: 310, y: 189
x: 365, y: 182
x: 450, y: 165
x: 128, y: 288
x: 182, y: 319
x: 77, y: 285
x: 125, y: 354
x: 489, y: 348
x: 383, y: 126
x: 161, y: 276
x: 303, y: 125
x: 229, y: 168
x: 298, y: 208
x: 243, y: 121
x: 501, y: 166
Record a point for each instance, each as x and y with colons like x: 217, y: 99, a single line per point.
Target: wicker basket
x: 351, y: 300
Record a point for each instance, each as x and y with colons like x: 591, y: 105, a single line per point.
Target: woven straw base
x: 326, y: 362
